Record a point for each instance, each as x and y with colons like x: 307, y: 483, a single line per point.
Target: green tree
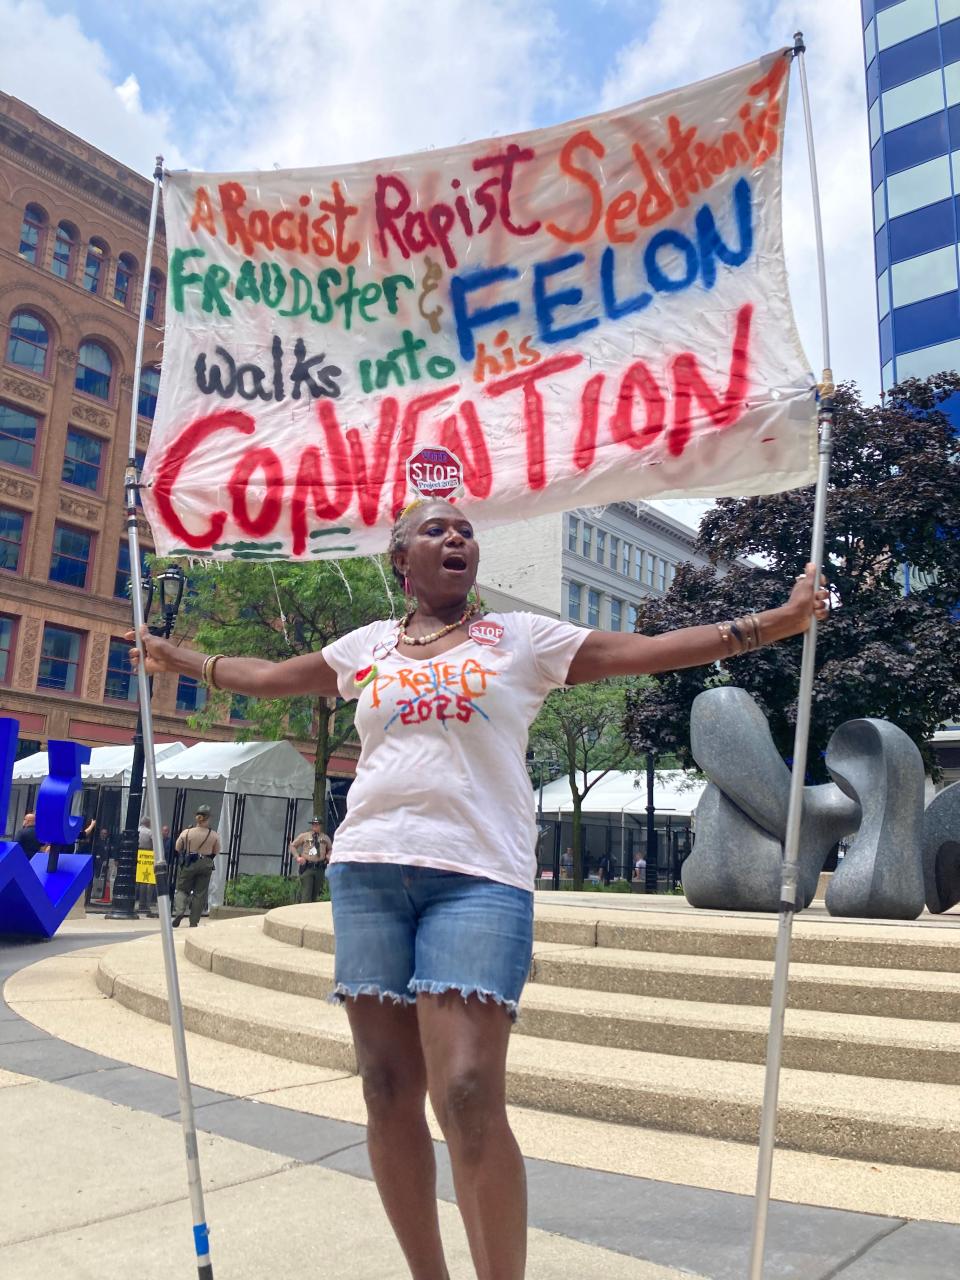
x: 894, y: 499
x: 582, y: 727
x: 280, y: 611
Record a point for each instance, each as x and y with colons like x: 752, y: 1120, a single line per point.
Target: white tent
x: 109, y: 766
x: 674, y: 792
x: 267, y: 773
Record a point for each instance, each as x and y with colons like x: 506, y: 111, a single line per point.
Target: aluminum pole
x: 174, y: 1004
x: 788, y: 878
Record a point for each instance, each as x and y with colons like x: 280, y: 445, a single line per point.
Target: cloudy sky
x: 264, y: 83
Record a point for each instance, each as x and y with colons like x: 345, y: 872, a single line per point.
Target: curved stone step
x: 888, y: 1048
x: 886, y: 993
x: 898, y: 1122
x: 679, y: 975
x: 929, y: 945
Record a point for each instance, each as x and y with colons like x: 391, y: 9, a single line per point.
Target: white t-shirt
x: 442, y: 780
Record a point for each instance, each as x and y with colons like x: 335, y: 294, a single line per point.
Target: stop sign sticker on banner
x: 435, y: 473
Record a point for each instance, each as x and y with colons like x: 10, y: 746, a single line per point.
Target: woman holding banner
x: 433, y: 868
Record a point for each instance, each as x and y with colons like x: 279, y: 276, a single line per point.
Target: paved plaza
x: 94, y: 1181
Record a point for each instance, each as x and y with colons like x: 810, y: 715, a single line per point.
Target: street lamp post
x: 168, y: 588
x: 652, y: 876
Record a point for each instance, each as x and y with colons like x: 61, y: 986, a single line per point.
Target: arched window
x: 123, y: 284
x: 28, y: 343
x: 32, y: 230
x: 64, y: 251
x: 94, y: 371
x: 149, y: 386
x: 95, y: 267
x: 155, y: 297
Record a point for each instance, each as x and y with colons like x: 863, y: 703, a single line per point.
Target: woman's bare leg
x: 387, y: 1040
x: 465, y: 1047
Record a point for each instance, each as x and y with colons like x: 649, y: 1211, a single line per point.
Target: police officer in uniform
x: 198, y: 847
x: 312, y: 851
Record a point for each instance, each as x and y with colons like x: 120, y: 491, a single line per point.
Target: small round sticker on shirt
x: 484, y: 631
x: 384, y: 647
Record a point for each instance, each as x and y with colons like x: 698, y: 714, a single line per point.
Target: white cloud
x: 683, y: 44
x: 376, y: 78
x: 53, y: 65
x: 129, y: 93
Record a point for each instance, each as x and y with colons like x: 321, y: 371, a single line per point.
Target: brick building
x: 73, y: 231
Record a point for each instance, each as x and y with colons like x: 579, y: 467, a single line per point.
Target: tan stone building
x: 73, y: 232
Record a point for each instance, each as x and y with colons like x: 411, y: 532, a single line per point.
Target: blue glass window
x: 28, y: 343
x: 873, y: 82
x: 95, y: 266
x: 18, y: 437
x: 59, y: 659
x: 924, y: 323
x: 149, y: 386
x: 191, y: 695
x: 32, y: 231
x: 94, y: 371
x: 910, y: 58
x: 913, y: 143
x: 154, y: 296
x: 880, y: 246
x: 886, y: 340
x: 573, y: 601
x: 239, y: 707
x: 950, y: 41
x: 70, y: 560
x: 876, y: 165
x: 593, y: 608
x: 7, y: 627
x: 12, y: 524
x: 121, y: 683
x: 924, y: 229
x: 82, y: 460
x: 121, y: 581
x: 123, y: 281
x: 64, y: 247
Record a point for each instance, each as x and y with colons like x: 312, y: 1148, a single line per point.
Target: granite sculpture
x: 941, y: 850
x: 897, y: 859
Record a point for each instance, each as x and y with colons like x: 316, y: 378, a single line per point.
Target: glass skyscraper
x: 912, y: 56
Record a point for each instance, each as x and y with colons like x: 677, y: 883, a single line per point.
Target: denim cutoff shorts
x: 401, y: 930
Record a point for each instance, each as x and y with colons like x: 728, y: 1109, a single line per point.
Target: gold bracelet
x: 203, y: 669
x: 738, y: 635
x: 724, y: 629
x: 211, y: 674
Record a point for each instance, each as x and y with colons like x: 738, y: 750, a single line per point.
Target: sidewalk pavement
x: 94, y: 1181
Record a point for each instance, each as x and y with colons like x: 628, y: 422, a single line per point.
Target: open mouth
x: 455, y: 562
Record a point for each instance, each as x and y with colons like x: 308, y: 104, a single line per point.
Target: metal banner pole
x: 131, y: 487
x: 789, y: 875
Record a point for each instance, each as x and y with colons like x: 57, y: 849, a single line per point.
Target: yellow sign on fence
x: 145, y: 872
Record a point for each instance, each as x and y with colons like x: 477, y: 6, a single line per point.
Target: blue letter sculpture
x: 33, y: 899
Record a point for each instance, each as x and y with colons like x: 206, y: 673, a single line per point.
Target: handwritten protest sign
x: 588, y: 313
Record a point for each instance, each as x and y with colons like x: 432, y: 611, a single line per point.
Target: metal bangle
x: 211, y: 674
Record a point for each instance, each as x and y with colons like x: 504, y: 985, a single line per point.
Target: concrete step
x: 855, y: 1116
x: 913, y: 993
x: 888, y: 1048
x: 931, y: 944
x: 887, y: 993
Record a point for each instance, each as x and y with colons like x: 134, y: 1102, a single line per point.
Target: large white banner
x: 582, y: 314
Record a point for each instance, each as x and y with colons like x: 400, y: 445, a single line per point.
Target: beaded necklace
x: 402, y: 637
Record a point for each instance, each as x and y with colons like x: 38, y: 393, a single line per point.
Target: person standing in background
x: 198, y: 846
x: 26, y: 837
x: 312, y: 852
